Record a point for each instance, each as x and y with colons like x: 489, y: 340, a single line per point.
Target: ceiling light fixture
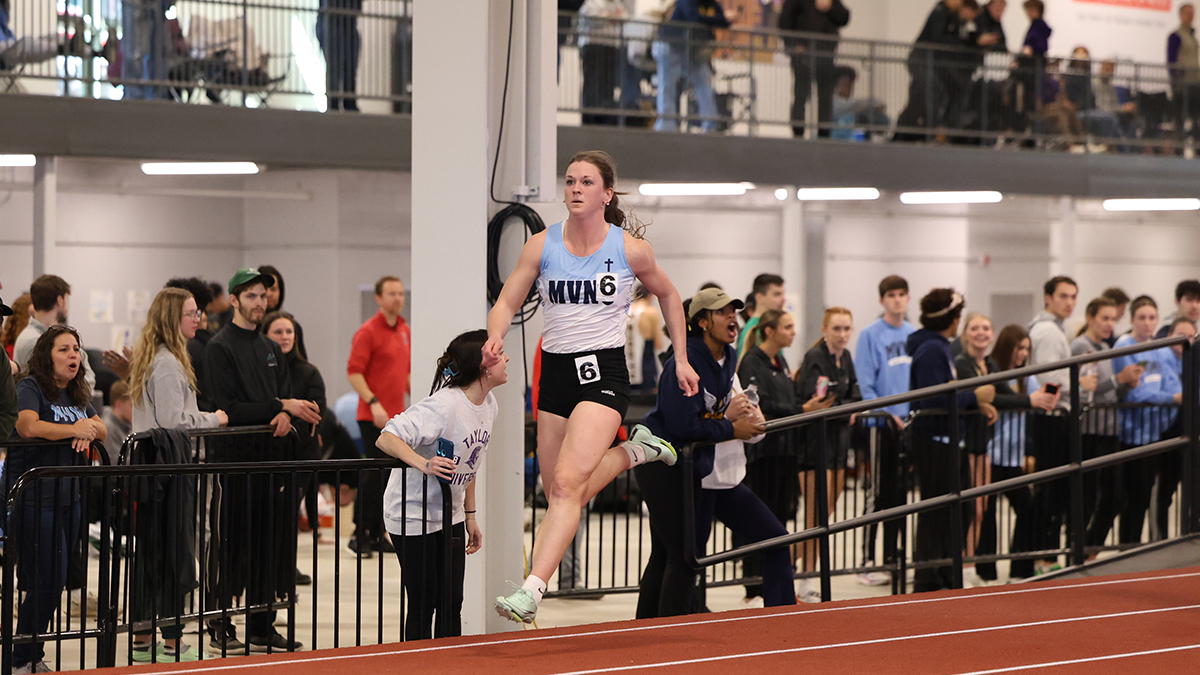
x: 1181, y: 204
x: 199, y: 168
x: 17, y: 160
x: 781, y: 194
x: 692, y: 189
x: 837, y: 194
x: 959, y: 197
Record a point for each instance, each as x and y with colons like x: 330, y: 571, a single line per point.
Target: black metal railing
x: 239, y: 517
x: 1072, y: 467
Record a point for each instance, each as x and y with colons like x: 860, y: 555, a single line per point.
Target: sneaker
x: 518, y: 607
x: 756, y: 602
x: 144, y: 653
x: 971, y: 578
x: 303, y: 579
x: 360, y: 547
x: 383, y: 545
x: 79, y: 608
x: 656, y: 448
x: 809, y: 592
x: 169, y: 655
x: 875, y: 578
x: 273, y: 643
x: 223, y: 640
x: 39, y: 667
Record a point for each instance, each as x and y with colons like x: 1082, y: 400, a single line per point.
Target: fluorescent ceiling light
x: 17, y: 160
x: 781, y: 194
x: 837, y: 194
x: 691, y: 189
x: 199, y: 168
x: 960, y: 197
x: 1186, y: 204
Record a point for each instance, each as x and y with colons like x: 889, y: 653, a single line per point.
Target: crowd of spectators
x: 250, y: 369
x: 956, y: 91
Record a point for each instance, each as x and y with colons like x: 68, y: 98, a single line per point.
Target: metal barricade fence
x: 255, y: 53
x: 216, y: 542
x: 767, y: 82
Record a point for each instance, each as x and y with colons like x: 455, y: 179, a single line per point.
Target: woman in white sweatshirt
x: 444, y: 437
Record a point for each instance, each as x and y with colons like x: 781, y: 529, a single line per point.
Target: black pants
x: 935, y: 538
x: 809, y: 67
x: 1101, y: 489
x: 751, y: 521
x: 424, y: 570
x: 926, y: 95
x: 668, y: 582
x: 1051, y: 500
x: 600, y: 65
x: 368, y: 508
x: 1170, y: 473
x: 1021, y: 501
x: 886, y: 491
x: 776, y: 481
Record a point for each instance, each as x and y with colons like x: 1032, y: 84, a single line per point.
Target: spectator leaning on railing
x: 812, y: 58
x: 54, y: 400
x: 1102, y: 488
x: 1161, y: 388
x: 601, y: 57
x: 163, y: 388
x: 1183, y: 59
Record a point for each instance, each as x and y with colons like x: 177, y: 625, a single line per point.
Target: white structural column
x: 450, y: 210
x: 45, y: 215
x: 1062, y: 239
x: 792, y: 264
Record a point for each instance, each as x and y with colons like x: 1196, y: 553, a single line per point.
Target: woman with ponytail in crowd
x: 771, y: 469
x: 443, y: 437
x: 827, y: 374
x: 585, y: 268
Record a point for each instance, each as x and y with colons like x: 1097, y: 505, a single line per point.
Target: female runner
x: 585, y: 268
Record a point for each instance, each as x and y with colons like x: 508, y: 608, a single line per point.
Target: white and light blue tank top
x: 586, y: 299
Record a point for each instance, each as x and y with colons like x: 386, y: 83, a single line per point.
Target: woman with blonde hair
x: 827, y: 374
x: 162, y: 387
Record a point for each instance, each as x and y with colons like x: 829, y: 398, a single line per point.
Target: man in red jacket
x: 380, y: 371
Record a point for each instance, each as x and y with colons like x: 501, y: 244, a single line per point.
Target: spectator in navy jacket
x: 712, y: 416
x: 927, y: 65
x: 933, y: 455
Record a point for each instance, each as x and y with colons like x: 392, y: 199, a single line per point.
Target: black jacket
x: 843, y: 384
x: 803, y: 16
x: 941, y: 29
x: 776, y: 399
x: 307, y: 385
x: 978, y: 432
x: 932, y: 365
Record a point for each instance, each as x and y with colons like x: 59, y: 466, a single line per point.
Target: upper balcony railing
x: 357, y: 55
x: 775, y: 83
x: 297, y: 54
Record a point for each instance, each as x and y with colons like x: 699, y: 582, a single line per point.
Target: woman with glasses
x: 163, y: 390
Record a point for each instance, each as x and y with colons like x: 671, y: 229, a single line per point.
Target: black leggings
x: 423, y: 571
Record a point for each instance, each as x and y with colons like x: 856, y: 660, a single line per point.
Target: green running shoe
x: 518, y: 607
x: 657, y: 450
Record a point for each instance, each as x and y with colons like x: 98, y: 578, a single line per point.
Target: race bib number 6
x: 588, y: 369
x: 606, y: 286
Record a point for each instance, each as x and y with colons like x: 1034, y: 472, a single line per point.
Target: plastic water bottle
x: 752, y: 394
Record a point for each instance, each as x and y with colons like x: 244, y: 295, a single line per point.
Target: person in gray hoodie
x: 1049, y: 343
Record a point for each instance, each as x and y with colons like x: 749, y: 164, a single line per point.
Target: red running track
x: 1146, y: 623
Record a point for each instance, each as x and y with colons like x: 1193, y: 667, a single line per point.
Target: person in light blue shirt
x: 1160, y: 387
x: 883, y: 366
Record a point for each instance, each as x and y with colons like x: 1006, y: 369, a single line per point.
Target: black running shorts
x: 599, y: 376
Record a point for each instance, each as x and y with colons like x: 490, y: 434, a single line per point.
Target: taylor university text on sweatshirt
x: 1158, y: 387
x: 412, y: 502
x: 932, y: 365
x: 882, y: 362
x: 699, y: 419
x: 1048, y: 343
